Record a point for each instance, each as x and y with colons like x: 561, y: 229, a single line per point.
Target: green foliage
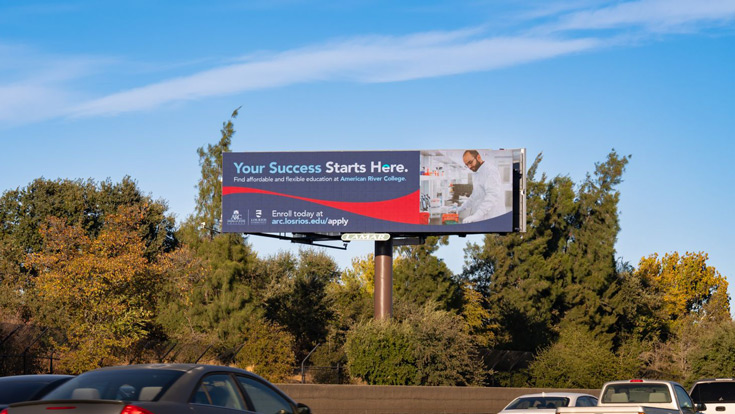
x: 208, y: 208
x: 82, y: 203
x: 215, y: 298
x: 351, y: 300
x: 296, y: 297
x: 562, y: 268
x: 713, y: 356
x: 351, y: 295
x: 266, y: 350
x: 85, y: 205
x: 220, y: 300
x: 420, y: 277
x: 637, y: 306
x: 444, y: 350
x: 425, y: 347
x: 380, y: 353
x: 579, y: 359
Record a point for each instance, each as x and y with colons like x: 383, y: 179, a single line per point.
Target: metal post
x: 25, y: 351
x: 303, y: 373
x: 383, y: 295
x: 167, y: 352
x: 202, y: 355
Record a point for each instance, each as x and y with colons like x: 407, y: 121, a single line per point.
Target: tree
x: 420, y: 277
x: 686, y: 286
x: 208, y: 209
x: 224, y: 306
x: 221, y: 300
x: 562, y: 268
x: 637, y: 308
x: 297, y: 299
x: 714, y: 353
x: 96, y: 291
x: 350, y: 298
x: 86, y: 205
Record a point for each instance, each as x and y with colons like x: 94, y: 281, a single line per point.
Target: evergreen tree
x: 297, y: 297
x: 714, y: 353
x: 224, y: 305
x: 420, y: 277
x: 208, y: 208
x: 562, y: 268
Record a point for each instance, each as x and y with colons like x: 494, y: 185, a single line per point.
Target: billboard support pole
x: 383, y: 295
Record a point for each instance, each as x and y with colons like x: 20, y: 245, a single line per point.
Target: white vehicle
x: 638, y: 397
x: 548, y: 402
x: 714, y: 396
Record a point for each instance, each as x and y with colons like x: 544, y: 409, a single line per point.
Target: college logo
x: 236, y: 218
x: 258, y: 219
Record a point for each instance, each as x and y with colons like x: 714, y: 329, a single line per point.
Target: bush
x: 578, y: 359
x: 427, y: 347
x: 267, y: 351
x: 379, y: 353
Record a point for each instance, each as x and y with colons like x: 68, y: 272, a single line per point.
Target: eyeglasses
x: 471, y: 162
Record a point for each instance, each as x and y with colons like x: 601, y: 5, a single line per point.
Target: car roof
x: 185, y: 368
x: 172, y: 367
x: 556, y: 394
x: 34, y: 378
x: 705, y: 380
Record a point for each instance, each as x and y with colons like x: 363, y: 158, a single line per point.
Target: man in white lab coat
x: 485, y: 201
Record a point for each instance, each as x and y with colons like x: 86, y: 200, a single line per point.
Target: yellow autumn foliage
x: 98, y: 292
x: 688, y: 287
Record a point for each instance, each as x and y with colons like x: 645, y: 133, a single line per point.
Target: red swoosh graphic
x: 402, y: 209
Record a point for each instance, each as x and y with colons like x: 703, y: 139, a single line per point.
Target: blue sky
x: 98, y: 89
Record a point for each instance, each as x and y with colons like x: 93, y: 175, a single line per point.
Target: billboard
x: 400, y: 192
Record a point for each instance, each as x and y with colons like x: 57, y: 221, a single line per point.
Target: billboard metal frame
x: 300, y: 234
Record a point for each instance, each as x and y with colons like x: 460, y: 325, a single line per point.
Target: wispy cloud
x: 552, y: 31
x: 373, y: 59
x: 37, y: 86
x: 651, y: 15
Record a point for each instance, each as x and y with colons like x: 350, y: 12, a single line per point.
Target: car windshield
x: 710, y: 392
x: 125, y: 385
x: 21, y: 391
x: 524, y: 403
x: 636, y: 393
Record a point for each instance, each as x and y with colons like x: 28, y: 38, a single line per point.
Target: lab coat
x: 485, y: 201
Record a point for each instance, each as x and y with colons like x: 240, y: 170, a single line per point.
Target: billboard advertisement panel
x: 407, y: 192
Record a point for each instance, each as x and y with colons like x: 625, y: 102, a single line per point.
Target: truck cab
x: 639, y: 396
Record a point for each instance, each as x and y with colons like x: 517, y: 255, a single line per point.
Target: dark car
x: 28, y: 387
x: 164, y: 389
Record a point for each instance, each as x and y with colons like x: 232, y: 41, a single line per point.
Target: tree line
x: 112, y: 276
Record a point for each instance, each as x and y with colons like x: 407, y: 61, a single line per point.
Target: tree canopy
x: 563, y: 268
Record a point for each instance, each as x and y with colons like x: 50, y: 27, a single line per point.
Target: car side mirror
x: 700, y: 406
x: 303, y: 409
